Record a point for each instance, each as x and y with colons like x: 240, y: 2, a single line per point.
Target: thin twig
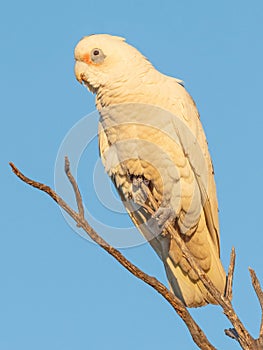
x: 259, y: 293
x: 40, y: 186
x: 229, y: 282
x: 75, y: 187
x: 196, y: 332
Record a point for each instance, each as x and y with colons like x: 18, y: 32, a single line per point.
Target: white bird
x: 151, y: 137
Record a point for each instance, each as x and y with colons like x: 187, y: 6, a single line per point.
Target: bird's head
x: 103, y: 60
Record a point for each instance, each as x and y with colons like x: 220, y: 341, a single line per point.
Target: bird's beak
x: 79, y: 71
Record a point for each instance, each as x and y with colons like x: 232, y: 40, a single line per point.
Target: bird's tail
x: 192, y: 292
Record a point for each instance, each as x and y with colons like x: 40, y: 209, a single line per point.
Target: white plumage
x: 150, y: 135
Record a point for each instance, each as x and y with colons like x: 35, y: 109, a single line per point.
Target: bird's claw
x: 164, y: 216
x: 138, y: 180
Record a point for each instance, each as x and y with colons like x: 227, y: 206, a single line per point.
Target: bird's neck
x: 132, y: 88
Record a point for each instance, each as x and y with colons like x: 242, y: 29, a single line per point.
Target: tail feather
x: 194, y: 294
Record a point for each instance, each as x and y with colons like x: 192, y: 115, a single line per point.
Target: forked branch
x: 239, y: 332
x: 196, y: 332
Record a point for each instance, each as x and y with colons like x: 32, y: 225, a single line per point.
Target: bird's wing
x: 195, y: 224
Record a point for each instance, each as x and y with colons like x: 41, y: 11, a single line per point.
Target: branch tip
x: 258, y: 290
x: 230, y: 275
x: 13, y: 167
x: 67, y: 165
x: 256, y: 285
x: 232, y: 333
x: 75, y: 188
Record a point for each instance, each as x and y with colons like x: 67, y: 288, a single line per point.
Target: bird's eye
x: 97, y: 55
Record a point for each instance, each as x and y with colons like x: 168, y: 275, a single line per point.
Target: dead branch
x: 230, y: 275
x: 75, y: 188
x: 259, y: 293
x: 239, y: 332
x: 196, y: 332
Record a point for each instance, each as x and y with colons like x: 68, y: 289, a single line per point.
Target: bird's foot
x: 137, y: 180
x: 164, y: 216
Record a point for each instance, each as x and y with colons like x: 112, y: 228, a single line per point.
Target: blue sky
x: 59, y: 291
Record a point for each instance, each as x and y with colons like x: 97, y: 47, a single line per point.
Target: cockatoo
x: 153, y: 147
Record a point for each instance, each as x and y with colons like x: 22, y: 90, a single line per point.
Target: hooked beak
x: 79, y: 71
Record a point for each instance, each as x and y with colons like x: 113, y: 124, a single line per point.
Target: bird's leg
x: 141, y: 194
x: 162, y: 215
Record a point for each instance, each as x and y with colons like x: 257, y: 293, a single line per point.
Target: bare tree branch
x: 75, y: 188
x: 259, y: 293
x: 196, y: 332
x: 239, y: 332
x: 232, y: 333
x: 230, y: 275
